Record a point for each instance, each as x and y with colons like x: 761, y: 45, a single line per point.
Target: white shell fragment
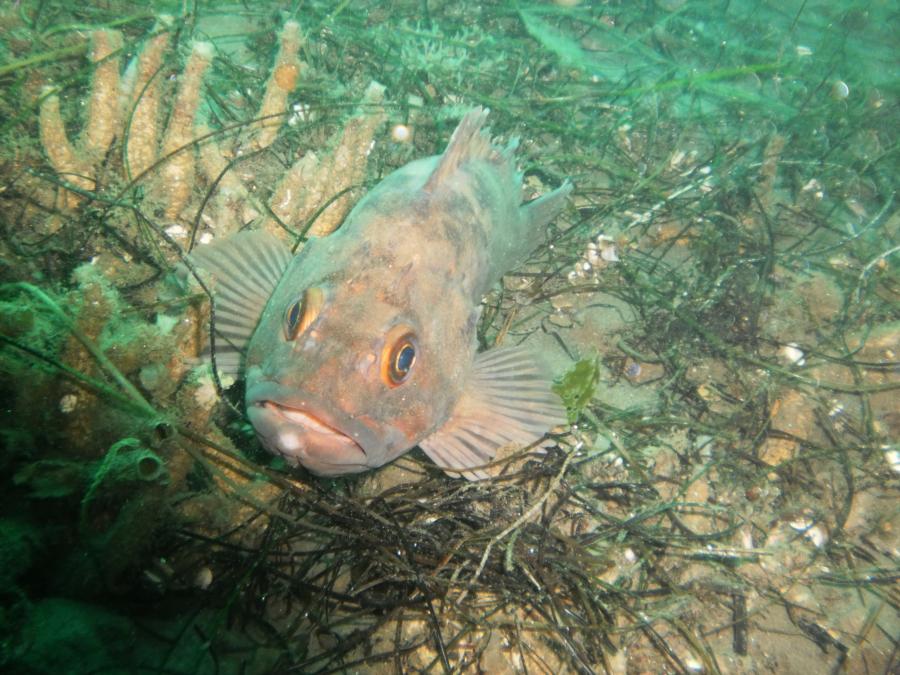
x: 607, y: 248
x: 176, y: 231
x: 68, y: 403
x: 840, y: 90
x: 892, y: 457
x: 814, y: 533
x: 792, y: 354
x: 401, y: 133
x: 597, y: 255
x: 204, y: 578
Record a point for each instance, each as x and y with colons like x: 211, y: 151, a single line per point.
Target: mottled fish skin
x: 409, y: 266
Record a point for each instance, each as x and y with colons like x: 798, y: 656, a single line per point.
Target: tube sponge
x: 312, y: 181
x: 125, y: 465
x: 104, y: 114
x: 177, y: 175
x: 280, y: 85
x: 75, y: 163
x: 63, y: 156
x: 142, y: 143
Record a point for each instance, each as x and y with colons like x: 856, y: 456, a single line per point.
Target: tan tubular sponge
x: 103, y: 120
x: 142, y: 112
x: 290, y: 194
x: 281, y: 83
x: 177, y: 174
x: 214, y: 164
x: 312, y: 181
x: 348, y: 162
x: 231, y: 190
x: 61, y: 153
x: 309, y: 176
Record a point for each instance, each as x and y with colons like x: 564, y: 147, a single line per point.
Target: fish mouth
x: 305, y: 420
x: 306, y: 438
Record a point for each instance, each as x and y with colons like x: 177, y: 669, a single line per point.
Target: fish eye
x: 403, y: 361
x: 302, y: 312
x: 292, y: 319
x: 399, y: 357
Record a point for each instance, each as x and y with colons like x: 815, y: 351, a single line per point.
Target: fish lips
x: 303, y: 433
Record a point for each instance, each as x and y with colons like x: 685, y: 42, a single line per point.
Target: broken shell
x: 892, y: 457
x: 840, y: 90
x: 632, y: 369
x: 609, y: 254
x: 693, y: 665
x: 607, y: 246
x: 814, y: 533
x: 792, y: 354
x: 176, y: 231
x: 204, y: 578
x: 68, y: 403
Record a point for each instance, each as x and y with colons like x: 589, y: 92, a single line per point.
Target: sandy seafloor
x: 718, y: 304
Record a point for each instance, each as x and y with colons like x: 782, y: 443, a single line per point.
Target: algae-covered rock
x: 19, y: 540
x: 62, y: 636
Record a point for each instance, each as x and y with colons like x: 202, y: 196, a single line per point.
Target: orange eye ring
x: 399, y: 356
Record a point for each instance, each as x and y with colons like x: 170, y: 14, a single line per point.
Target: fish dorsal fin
x: 514, y: 230
x: 507, y: 400
x: 245, y: 269
x: 545, y: 208
x: 468, y: 142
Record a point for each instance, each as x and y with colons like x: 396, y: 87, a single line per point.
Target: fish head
x: 344, y: 372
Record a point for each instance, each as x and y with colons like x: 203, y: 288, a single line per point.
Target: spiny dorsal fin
x: 507, y: 400
x: 468, y: 142
x: 245, y: 269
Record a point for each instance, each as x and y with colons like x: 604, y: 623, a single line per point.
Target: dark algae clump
x: 716, y: 306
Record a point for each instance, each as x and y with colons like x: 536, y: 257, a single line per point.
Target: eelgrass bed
x: 719, y: 303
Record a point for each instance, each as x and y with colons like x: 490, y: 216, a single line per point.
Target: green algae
x: 577, y: 387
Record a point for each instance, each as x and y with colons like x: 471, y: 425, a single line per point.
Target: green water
x: 718, y: 305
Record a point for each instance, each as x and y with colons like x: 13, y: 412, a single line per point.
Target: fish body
x: 366, y: 346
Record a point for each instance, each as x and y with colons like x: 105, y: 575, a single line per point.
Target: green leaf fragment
x: 565, y: 48
x: 577, y: 387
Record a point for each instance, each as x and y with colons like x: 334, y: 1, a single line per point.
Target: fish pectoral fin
x: 245, y: 269
x: 507, y: 400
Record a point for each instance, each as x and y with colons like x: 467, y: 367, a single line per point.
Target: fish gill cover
x: 718, y: 304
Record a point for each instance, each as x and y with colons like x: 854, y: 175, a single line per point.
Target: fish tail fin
x: 545, y: 208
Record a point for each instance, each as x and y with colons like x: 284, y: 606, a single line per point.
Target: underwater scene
x: 450, y: 337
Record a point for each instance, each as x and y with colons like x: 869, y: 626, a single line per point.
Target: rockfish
x: 363, y: 346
